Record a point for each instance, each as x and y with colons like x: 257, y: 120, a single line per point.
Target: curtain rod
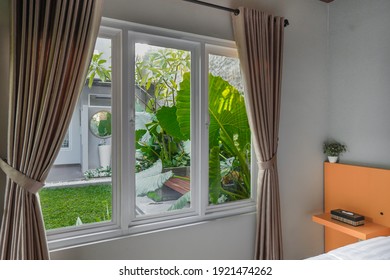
x: 234, y: 11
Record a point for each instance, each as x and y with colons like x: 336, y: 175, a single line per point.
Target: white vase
x: 105, y: 155
x: 332, y: 159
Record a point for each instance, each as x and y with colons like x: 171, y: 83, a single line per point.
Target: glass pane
x: 78, y: 189
x: 162, y: 129
x: 66, y: 142
x: 229, y: 133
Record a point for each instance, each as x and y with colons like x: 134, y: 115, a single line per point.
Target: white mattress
x: 372, y: 249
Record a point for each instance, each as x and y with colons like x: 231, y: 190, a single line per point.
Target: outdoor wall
x: 359, y: 80
x: 302, y: 130
x: 4, y: 87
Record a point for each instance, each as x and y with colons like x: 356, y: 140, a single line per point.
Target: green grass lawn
x: 62, y: 206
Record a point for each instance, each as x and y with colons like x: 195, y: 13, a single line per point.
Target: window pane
x: 162, y: 129
x: 66, y: 142
x: 78, y: 189
x: 229, y: 134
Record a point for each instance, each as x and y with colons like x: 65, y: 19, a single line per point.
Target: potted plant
x: 333, y: 150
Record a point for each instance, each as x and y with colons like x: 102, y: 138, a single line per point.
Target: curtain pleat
x: 51, y: 47
x: 259, y: 39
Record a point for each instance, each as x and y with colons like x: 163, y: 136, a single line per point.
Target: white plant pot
x: 105, y: 155
x: 332, y: 159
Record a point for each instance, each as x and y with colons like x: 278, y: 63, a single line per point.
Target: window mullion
x: 126, y: 127
x: 204, y: 123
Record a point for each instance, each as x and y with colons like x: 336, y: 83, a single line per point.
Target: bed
x: 377, y: 248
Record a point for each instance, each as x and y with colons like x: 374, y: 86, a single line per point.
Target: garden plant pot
x: 332, y: 159
x: 105, y: 155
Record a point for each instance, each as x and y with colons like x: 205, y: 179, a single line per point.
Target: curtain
x: 51, y: 46
x: 259, y: 39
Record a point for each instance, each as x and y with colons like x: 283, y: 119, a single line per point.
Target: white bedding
x: 372, y: 249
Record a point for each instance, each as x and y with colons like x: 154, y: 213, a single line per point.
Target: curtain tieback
x: 263, y: 165
x: 21, y: 179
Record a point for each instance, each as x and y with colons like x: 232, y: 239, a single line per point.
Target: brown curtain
x: 51, y: 47
x: 259, y: 39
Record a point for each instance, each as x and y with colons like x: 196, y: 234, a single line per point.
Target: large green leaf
x: 183, y: 104
x: 214, y: 175
x: 151, y: 179
x: 167, y: 119
x: 229, y: 132
x: 229, y: 123
x: 228, y: 117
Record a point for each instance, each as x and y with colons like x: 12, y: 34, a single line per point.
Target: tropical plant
x: 333, y: 148
x: 162, y: 139
x: 159, y: 73
x: 98, y: 69
x: 229, y: 138
x: 163, y: 73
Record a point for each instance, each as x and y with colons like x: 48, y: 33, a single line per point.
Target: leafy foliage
x: 151, y: 179
x: 160, y: 72
x: 164, y: 74
x: 333, y: 148
x: 229, y: 130
x: 229, y: 139
x: 104, y: 126
x: 98, y: 69
x: 98, y: 172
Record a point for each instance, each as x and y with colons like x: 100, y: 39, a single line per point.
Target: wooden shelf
x: 363, y: 232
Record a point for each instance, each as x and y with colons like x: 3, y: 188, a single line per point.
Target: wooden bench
x: 179, y: 185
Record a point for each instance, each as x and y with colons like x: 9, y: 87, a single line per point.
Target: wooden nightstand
x: 363, y: 232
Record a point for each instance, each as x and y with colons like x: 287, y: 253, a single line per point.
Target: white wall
x: 360, y: 80
x: 302, y: 130
x: 221, y: 239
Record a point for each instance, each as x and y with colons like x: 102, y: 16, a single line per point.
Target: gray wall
x: 360, y: 80
x: 302, y: 130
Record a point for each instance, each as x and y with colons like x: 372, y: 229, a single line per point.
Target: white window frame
x: 124, y: 220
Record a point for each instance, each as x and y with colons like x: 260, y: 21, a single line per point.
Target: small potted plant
x: 333, y: 150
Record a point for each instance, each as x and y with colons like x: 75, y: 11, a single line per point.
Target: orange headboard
x: 364, y: 190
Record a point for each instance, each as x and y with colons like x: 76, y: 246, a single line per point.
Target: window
x: 229, y: 133
x: 79, y: 190
x: 168, y: 108
x: 66, y: 142
x: 162, y: 128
